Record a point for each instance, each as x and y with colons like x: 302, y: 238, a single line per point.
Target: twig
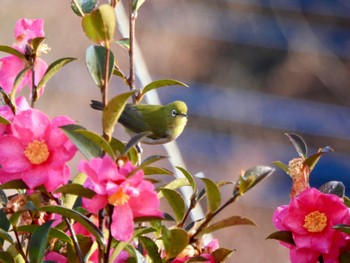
x: 131, y: 79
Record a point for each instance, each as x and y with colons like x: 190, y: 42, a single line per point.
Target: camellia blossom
x: 131, y: 196
x: 10, y: 66
x: 310, y: 217
x: 36, y: 150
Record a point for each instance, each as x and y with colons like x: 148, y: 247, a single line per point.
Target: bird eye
x: 173, y: 113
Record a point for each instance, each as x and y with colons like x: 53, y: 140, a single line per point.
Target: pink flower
x: 36, y: 150
x: 310, y: 217
x: 10, y: 66
x: 55, y: 257
x: 131, y: 197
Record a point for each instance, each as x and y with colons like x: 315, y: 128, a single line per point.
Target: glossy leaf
x: 175, y: 184
x: 188, y: 176
x: 99, y: 140
x: 14, y: 184
x: 95, y: 58
x: 151, y: 249
x: 70, y: 199
x: 12, y: 51
x: 4, y: 121
x: 313, y: 159
x: 176, y: 202
x: 53, y: 68
x: 298, y: 143
x: 213, y: 195
x: 37, y: 244
x: 343, y: 228
x: 86, y: 6
x: 150, y: 170
x: 227, y: 222
x: 252, y: 177
x: 281, y: 165
x: 174, y: 241
x: 117, y: 72
x: 4, y: 235
x: 221, y: 254
x: 125, y: 43
x: 136, y: 4
x: 3, y: 197
x: 162, y: 83
x: 284, y: 236
x: 76, y: 189
x: 87, y: 147
x: 99, y: 26
x: 17, y: 257
x: 333, y: 187
x: 112, y: 112
x: 4, y: 222
x: 83, y: 220
x: 16, y: 82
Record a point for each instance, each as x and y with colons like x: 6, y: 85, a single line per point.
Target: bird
x: 165, y: 123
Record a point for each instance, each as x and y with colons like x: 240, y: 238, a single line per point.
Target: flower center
x: 315, y: 221
x: 37, y: 152
x: 118, y: 198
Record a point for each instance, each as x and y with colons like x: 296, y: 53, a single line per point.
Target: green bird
x: 165, y: 123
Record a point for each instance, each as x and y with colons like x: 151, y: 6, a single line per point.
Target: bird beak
x: 182, y: 114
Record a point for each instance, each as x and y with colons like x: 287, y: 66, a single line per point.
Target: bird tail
x: 97, y: 105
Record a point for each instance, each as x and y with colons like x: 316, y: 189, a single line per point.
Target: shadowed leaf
x: 213, y: 195
x: 333, y: 187
x: 12, y: 51
x: 221, y: 254
x: 313, y: 159
x: 281, y: 165
x: 37, y: 244
x: 284, y: 236
x: 188, y: 176
x: 174, y: 240
x: 86, y: 6
x: 151, y: 248
x: 298, y: 143
x: 176, y: 202
x: 76, y: 189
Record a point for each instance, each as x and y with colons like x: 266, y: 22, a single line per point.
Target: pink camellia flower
x: 36, y: 150
x: 131, y: 196
x: 10, y: 66
x: 310, y: 217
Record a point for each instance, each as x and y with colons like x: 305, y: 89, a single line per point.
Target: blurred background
x: 257, y: 69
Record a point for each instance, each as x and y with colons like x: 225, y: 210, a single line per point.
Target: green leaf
x: 136, y: 4
x: 5, y: 236
x: 16, y: 256
x: 149, y: 160
x: 37, y: 244
x: 162, y: 83
x: 119, y: 147
x: 281, y: 165
x: 148, y: 170
x: 188, y: 176
x: 86, y: 6
x: 151, y: 249
x: 135, y: 140
x: 17, y: 81
x: 176, y: 202
x: 83, y: 220
x: 112, y: 112
x: 175, y: 184
x: 124, y: 42
x: 99, y: 140
x: 6, y: 257
x: 99, y: 26
x: 221, y: 254
x: 213, y: 195
x: 333, y: 187
x: 53, y: 232
x: 76, y: 189
x: 70, y: 199
x: 3, y: 198
x: 313, y: 159
x: 298, y: 143
x: 53, y: 68
x: 87, y: 147
x: 227, y: 222
x: 36, y: 43
x: 284, y: 236
x: 346, y: 201
x: 95, y: 61
x: 174, y: 241
x: 343, y: 228
x: 252, y: 177
x: 14, y: 184
x: 4, y: 121
x: 4, y: 222
x: 12, y: 51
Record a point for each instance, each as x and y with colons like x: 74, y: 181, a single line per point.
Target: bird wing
x: 133, y: 119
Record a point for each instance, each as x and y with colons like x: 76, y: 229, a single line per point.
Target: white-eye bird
x: 165, y: 122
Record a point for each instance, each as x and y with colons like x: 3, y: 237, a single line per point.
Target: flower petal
x: 122, y: 223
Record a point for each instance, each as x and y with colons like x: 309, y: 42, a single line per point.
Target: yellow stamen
x: 315, y: 221
x: 118, y: 198
x: 37, y: 152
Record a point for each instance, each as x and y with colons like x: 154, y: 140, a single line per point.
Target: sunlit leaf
x: 53, y: 68
x: 86, y: 6
x: 213, y: 195
x: 174, y: 240
x: 227, y: 222
x: 150, y: 170
x: 298, y: 143
x: 151, y: 249
x: 176, y: 202
x: 76, y: 189
x: 36, y: 43
x: 162, y: 83
x: 83, y: 220
x: 333, y: 187
x: 12, y: 51
x: 221, y: 254
x: 281, y: 165
x: 313, y: 159
x: 125, y: 43
x: 17, y: 81
x: 188, y: 176
x: 87, y: 147
x: 112, y: 112
x: 4, y: 121
x: 37, y: 244
x: 95, y: 58
x: 99, y: 140
x: 149, y: 160
x: 284, y: 236
x: 136, y: 4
